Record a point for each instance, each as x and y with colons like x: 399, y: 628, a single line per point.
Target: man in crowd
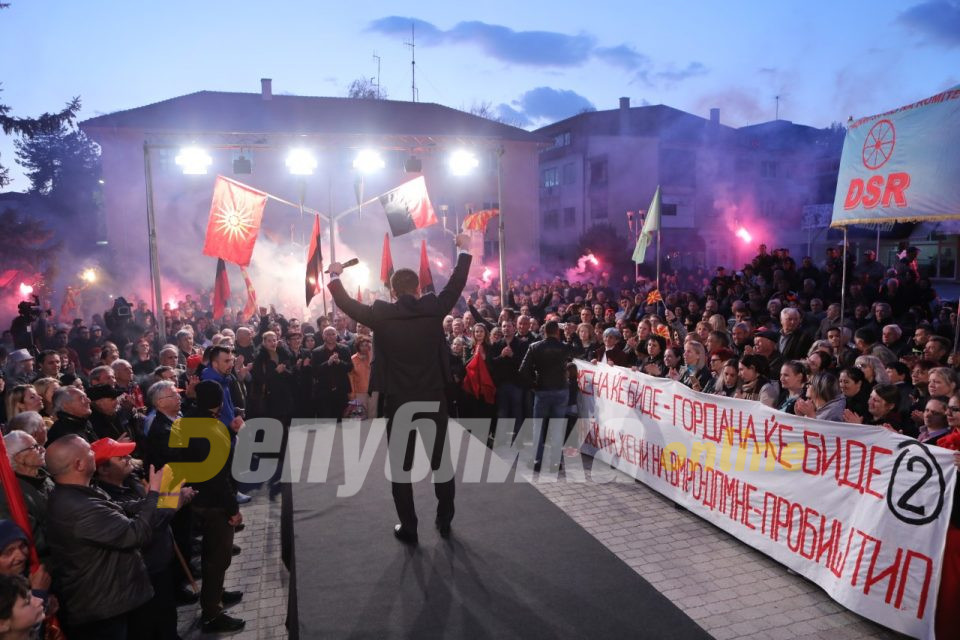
x: 27, y: 459
x: 49, y: 364
x: 331, y: 363
x: 71, y: 406
x: 99, y: 571
x: 545, y: 366
x: 794, y: 341
x: 184, y: 340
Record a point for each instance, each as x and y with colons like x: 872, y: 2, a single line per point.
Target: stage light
x: 744, y: 235
x: 89, y: 276
x: 194, y: 161
x: 368, y: 161
x: 25, y: 289
x: 463, y: 162
x: 301, y: 162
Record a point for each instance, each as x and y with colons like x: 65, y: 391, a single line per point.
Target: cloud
x: 544, y: 49
x: 513, y: 117
x: 545, y: 104
x: 939, y: 20
x: 673, y: 76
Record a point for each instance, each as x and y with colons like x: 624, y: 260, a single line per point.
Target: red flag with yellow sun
x: 234, y: 222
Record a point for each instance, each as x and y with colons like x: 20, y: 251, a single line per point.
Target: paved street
x: 728, y: 588
x: 258, y: 572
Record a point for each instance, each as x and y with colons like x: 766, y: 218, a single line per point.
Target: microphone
x: 348, y: 263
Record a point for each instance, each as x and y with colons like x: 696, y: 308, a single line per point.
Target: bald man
x: 95, y: 546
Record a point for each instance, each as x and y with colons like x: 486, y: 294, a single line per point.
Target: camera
x: 31, y: 310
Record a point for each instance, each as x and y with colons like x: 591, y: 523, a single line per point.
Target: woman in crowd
x: 360, y: 378
x: 715, y: 361
x: 109, y: 353
x: 672, y: 361
x: 818, y: 362
x: 142, y: 358
x: 652, y: 362
x: 23, y: 397
x: 458, y: 372
x: 695, y: 372
x: 882, y: 408
x: 479, y: 392
x: 729, y: 381
x: 873, y: 369
x: 588, y: 346
x: 46, y: 387
x: 856, y: 390
x: 824, y: 400
x: 612, y: 352
x: 753, y: 378
x: 702, y: 331
x: 793, y: 382
x: 942, y: 381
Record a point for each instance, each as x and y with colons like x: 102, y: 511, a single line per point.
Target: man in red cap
x: 158, y: 617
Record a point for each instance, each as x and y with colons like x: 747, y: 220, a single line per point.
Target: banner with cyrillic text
x: 859, y: 510
x: 902, y: 165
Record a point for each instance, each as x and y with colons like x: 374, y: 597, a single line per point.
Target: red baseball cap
x: 194, y: 361
x: 106, y: 448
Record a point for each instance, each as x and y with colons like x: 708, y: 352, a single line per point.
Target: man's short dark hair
x: 551, y: 328
x: 901, y: 369
x: 404, y: 282
x: 866, y: 334
x: 217, y: 350
x: 46, y: 353
x: 12, y: 589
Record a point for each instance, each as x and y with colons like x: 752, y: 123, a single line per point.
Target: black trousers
x: 215, y: 556
x: 157, y: 619
x: 401, y: 457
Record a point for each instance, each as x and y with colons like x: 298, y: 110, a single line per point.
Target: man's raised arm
x: 458, y: 279
x: 360, y: 312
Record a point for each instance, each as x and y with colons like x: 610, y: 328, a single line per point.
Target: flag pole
x: 658, y: 265
x: 843, y: 280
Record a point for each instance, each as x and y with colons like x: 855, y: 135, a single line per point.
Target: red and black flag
x: 386, y: 262
x: 426, y: 279
x: 408, y: 207
x: 313, y: 280
x: 221, y: 290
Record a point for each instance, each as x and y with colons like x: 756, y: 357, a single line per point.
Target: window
x: 768, y: 169
x: 569, y: 216
x: 562, y: 139
x: 551, y: 177
x: 598, y: 172
x: 668, y: 209
x: 569, y: 177
x: 599, y: 212
x: 551, y: 218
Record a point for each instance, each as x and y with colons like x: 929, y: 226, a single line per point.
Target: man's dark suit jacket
x: 410, y: 349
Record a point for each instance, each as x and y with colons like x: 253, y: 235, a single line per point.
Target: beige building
x: 248, y: 137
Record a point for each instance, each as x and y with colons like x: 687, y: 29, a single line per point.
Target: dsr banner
x: 902, y: 165
x: 859, y: 510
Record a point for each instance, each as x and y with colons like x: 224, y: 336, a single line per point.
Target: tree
x: 484, y: 109
x: 365, y: 89
x: 29, y: 127
x: 28, y: 247
x: 63, y: 165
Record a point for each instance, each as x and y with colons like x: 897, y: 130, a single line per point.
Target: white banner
x: 859, y: 510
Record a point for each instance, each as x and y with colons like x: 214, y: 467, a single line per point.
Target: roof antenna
x: 377, y: 58
x: 777, y: 111
x: 413, y: 62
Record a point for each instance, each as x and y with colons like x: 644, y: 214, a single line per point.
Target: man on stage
x: 413, y: 366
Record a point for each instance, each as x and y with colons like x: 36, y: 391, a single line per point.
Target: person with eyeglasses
x: 27, y: 458
x: 935, y: 424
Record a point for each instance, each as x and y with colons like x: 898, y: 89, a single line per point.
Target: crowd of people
x: 88, y: 407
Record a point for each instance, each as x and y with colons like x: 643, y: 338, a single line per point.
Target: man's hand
x: 335, y: 269
x: 281, y: 368
x: 463, y: 242
x: 155, y: 478
x: 235, y: 520
x: 186, y: 495
x: 236, y: 424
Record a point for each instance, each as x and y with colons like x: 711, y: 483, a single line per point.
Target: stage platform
x: 516, y: 566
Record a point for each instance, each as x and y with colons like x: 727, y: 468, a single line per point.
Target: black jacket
x: 218, y: 492
x: 132, y: 496
x: 411, y: 356
x: 96, y: 549
x: 545, y: 364
x: 67, y: 424
x: 504, y: 369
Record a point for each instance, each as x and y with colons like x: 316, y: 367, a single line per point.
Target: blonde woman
x: 46, y: 387
x: 23, y: 397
